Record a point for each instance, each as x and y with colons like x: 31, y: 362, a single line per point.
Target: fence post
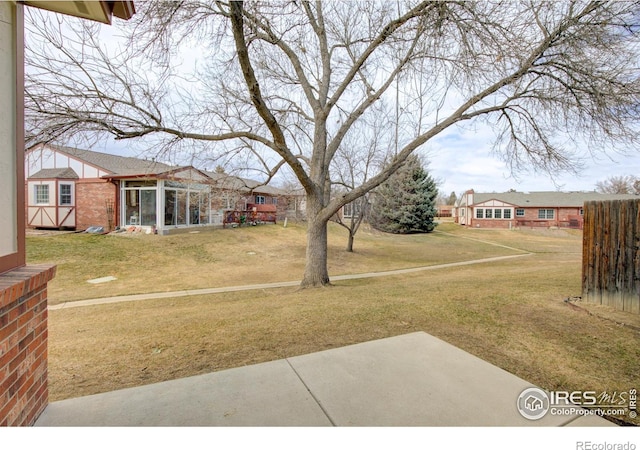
x: 611, y: 254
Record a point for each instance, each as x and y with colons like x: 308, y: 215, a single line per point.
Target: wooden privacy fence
x: 611, y: 254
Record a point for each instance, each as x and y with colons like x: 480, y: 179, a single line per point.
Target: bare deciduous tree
x: 360, y: 156
x: 619, y: 185
x: 286, y: 81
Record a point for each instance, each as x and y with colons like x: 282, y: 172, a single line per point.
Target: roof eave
x: 100, y: 11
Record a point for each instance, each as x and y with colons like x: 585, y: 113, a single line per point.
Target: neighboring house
x: 73, y: 188
x: 296, y: 204
x: 444, y: 210
x: 526, y: 209
x: 234, y: 197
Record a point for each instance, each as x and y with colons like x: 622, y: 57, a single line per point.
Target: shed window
x: 42, y: 194
x: 65, y: 194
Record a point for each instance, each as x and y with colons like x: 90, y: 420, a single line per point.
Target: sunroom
x: 176, y: 199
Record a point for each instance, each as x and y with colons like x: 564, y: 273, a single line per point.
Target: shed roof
x: 64, y: 173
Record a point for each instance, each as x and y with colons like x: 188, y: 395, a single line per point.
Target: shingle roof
x: 64, y: 173
x: 117, y: 165
x: 225, y: 181
x: 550, y: 199
x: 125, y: 165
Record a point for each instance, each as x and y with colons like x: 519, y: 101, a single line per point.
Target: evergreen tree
x: 406, y: 202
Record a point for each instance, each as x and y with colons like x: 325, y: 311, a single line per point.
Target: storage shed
x: 51, y: 198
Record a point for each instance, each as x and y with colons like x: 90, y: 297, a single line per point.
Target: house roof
x: 117, y: 165
x: 64, y: 173
x: 126, y: 166
x: 226, y: 181
x: 549, y: 199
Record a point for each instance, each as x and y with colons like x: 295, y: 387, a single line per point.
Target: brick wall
x: 23, y: 344
x: 492, y: 223
x: 91, y: 209
x: 563, y: 217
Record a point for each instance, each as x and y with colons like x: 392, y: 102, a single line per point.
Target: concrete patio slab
x: 414, y: 380
x: 268, y: 394
x: 409, y: 380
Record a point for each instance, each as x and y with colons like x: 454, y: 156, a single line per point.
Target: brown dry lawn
x: 510, y: 313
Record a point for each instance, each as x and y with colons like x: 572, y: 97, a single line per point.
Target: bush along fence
x: 611, y: 254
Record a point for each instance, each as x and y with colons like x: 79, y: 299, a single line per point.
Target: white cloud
x: 463, y: 159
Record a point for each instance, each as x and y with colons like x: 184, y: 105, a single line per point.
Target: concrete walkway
x: 218, y: 290
x: 409, y: 380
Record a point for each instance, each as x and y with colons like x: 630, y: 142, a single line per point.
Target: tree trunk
x: 350, y: 242
x: 316, y: 272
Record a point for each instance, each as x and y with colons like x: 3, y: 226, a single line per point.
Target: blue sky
x: 464, y: 160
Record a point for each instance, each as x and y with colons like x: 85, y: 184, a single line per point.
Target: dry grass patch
x: 509, y: 313
x: 227, y: 257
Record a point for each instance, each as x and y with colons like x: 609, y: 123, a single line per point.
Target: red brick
x: 35, y: 300
x: 18, y: 384
x: 90, y: 197
x: 25, y: 318
x: 24, y: 390
x: 6, y: 359
x: 15, y: 362
x: 34, y: 346
x: 14, y: 313
x: 24, y: 342
x: 8, y: 330
x: 7, y: 407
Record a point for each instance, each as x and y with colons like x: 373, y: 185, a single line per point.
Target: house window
x: 479, y: 213
x: 497, y: 214
x: 260, y: 199
x: 65, y: 194
x: 274, y: 201
x: 42, y: 194
x: 352, y: 209
x: 139, y: 204
x: 507, y: 214
x: 520, y: 212
x: 545, y: 214
x: 488, y: 213
x: 581, y: 211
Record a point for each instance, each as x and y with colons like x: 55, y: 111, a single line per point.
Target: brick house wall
x: 91, y: 197
x: 492, y: 223
x: 562, y: 217
x: 24, y: 391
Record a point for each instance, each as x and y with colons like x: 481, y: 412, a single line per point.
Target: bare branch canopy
x: 288, y: 83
